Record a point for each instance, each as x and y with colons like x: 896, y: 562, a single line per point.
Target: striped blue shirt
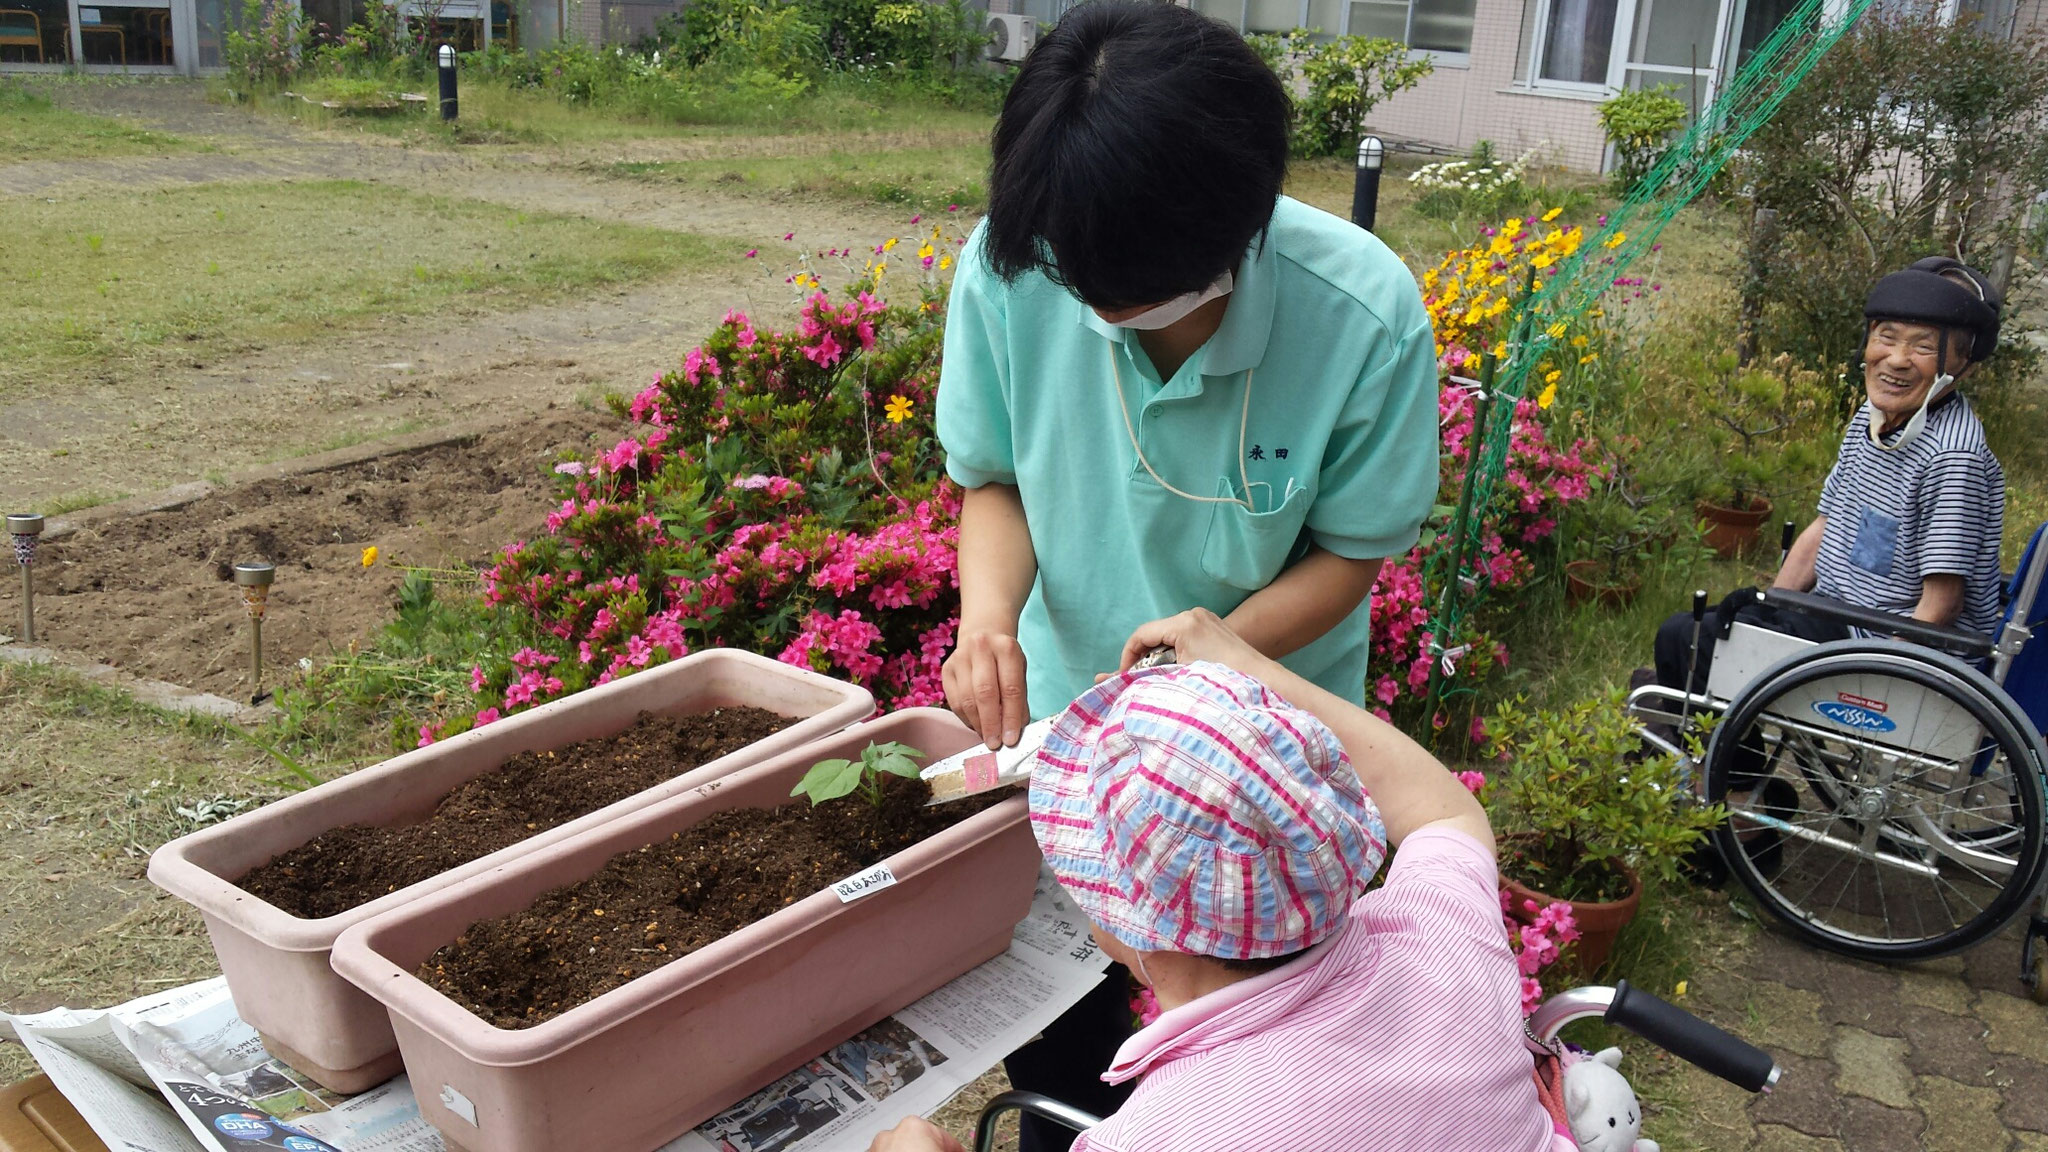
x: 1894, y: 518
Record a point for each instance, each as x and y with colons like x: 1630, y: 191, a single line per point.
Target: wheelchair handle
x: 1065, y: 1115
x: 1692, y: 1039
x: 1786, y: 535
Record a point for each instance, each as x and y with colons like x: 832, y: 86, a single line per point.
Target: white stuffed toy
x: 1602, y: 1107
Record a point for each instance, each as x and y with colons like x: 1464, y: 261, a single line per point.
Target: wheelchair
x: 1885, y: 795
x: 1660, y: 1022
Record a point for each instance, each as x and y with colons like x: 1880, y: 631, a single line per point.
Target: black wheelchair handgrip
x: 1690, y: 1038
x: 1940, y: 637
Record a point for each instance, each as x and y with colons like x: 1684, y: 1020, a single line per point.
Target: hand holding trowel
x: 978, y: 769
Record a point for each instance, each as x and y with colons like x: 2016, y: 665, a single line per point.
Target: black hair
x: 1263, y: 964
x: 1137, y: 156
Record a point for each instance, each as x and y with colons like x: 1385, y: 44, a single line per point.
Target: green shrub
x: 1336, y: 83
x: 1640, y: 124
x: 265, y: 45
x: 1913, y: 135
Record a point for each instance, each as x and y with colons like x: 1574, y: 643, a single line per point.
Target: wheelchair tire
x: 1869, y: 840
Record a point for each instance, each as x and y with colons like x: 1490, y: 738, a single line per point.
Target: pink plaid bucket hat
x: 1189, y: 809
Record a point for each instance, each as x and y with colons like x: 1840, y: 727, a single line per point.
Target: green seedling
x: 831, y: 779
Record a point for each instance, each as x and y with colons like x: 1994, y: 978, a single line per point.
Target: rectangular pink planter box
x: 646, y: 1062
x: 277, y: 964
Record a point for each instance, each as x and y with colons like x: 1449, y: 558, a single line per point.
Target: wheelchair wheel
x: 1884, y: 801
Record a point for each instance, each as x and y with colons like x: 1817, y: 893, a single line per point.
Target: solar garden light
x: 254, y: 580
x: 1365, y: 187
x: 447, y: 81
x: 25, y: 527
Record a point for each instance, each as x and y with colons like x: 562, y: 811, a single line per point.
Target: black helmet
x: 1928, y: 293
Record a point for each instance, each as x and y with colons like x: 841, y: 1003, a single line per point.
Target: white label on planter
x: 866, y: 884
x: 459, y: 1104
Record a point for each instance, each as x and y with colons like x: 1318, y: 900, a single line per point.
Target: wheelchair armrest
x: 1065, y: 1115
x: 1940, y: 637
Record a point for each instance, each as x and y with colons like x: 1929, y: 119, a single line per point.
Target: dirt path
x: 263, y: 403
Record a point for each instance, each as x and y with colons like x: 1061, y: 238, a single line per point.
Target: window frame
x: 1442, y: 57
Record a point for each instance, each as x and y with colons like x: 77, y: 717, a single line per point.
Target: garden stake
x: 447, y: 82
x: 25, y: 527
x: 254, y: 580
x: 1699, y: 616
x: 1481, y: 406
x: 1365, y: 186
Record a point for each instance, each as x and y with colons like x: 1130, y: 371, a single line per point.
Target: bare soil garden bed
x: 535, y: 791
x: 151, y: 593
x: 662, y: 902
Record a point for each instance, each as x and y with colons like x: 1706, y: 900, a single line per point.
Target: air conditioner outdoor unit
x: 1010, y: 37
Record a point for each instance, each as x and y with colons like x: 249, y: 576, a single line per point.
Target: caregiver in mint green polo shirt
x: 1264, y: 474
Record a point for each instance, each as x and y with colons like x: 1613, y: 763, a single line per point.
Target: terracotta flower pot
x: 1584, y: 580
x: 1731, y: 531
x: 645, y: 1062
x: 277, y: 964
x: 1599, y: 922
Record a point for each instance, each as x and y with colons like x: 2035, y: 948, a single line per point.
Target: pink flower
x: 1473, y: 781
x: 789, y: 235
x: 487, y: 716
x: 753, y: 252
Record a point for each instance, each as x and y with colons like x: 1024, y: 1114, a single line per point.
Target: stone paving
x: 1944, y: 1056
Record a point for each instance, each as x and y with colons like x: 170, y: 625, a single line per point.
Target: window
x: 1578, y: 41
x: 1425, y: 25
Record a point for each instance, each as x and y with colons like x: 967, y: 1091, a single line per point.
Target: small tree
x: 1336, y: 84
x: 1639, y: 124
x: 1913, y: 135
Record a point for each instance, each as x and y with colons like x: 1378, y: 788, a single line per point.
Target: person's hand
x: 984, y: 679
x: 1197, y: 634
x: 915, y: 1134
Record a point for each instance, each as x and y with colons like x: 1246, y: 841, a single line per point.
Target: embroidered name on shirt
x: 865, y: 884
x: 1258, y: 453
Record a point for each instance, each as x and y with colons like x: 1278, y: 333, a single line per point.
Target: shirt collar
x: 1240, y: 342
x: 1234, y: 1010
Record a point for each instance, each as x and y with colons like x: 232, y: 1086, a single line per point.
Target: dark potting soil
x: 533, y: 792
x: 662, y: 902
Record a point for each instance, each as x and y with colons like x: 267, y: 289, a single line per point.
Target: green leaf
x: 900, y: 759
x: 829, y: 780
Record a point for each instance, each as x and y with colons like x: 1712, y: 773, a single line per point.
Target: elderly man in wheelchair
x: 1218, y: 821
x: 1879, y: 708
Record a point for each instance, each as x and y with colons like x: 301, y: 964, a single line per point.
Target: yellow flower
x: 1500, y: 350
x: 889, y: 245
x: 1678, y: 993
x: 1551, y: 376
x: 945, y: 262
x: 1588, y: 358
x: 897, y: 409
x: 1579, y: 341
x: 1548, y: 396
x: 1553, y: 214
x: 1556, y: 331
x: 369, y: 555
x: 1472, y: 316
x: 1616, y: 240
x: 926, y: 252
x: 1542, y: 260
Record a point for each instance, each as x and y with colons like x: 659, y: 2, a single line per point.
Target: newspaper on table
x: 179, y: 1071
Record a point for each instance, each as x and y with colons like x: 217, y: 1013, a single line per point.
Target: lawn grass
x: 492, y: 111
x: 924, y: 179
x: 119, y: 282
x: 32, y: 127
x: 91, y: 783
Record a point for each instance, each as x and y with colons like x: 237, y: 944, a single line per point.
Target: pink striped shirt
x: 1403, y: 1031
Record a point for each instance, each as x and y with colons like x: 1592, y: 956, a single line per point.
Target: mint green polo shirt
x: 1325, y: 358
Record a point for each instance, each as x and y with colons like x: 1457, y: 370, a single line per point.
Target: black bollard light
x: 447, y: 82
x: 1365, y: 190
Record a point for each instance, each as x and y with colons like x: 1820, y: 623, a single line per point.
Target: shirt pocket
x: 1247, y: 549
x: 1877, y: 542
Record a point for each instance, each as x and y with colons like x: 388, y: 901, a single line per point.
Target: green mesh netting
x: 1744, y: 105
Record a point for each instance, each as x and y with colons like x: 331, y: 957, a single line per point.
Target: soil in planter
x: 533, y: 792
x: 662, y: 902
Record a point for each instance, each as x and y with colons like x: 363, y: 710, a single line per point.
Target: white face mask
x: 1155, y: 318
x: 1915, y: 423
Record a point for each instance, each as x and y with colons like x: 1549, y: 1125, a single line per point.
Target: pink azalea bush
x: 1540, y: 480
x: 1537, y: 944
x: 783, y: 492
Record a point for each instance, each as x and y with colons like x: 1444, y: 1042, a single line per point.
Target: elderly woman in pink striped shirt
x: 1218, y: 821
